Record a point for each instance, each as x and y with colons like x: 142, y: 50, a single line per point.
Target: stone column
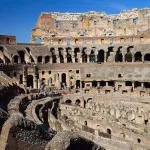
x: 50, y: 59
x: 142, y: 84
x: 98, y: 84
x: 43, y: 60
x: 142, y: 57
x: 88, y: 59
x: 96, y: 53
x: 58, y: 59
x: 73, y: 58
x: 106, y: 83
x: 123, y: 57
x: 65, y: 57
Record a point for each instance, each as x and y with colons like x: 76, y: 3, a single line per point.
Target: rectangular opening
x: 142, y: 93
x: 102, y: 40
x: 124, y: 92
x: 88, y: 75
x: 77, y: 71
x: 141, y: 39
x: 122, y: 40
x: 107, y: 91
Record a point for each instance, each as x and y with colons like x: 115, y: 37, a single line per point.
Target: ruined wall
x: 90, y: 24
x: 5, y: 39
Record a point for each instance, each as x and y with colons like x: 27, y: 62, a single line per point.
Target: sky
x: 18, y: 17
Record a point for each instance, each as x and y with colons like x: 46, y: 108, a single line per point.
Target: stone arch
x: 63, y: 78
x: 147, y: 57
x: 119, y: 56
x: 76, y: 51
x: 22, y: 56
x: 128, y: 55
x: 138, y: 57
x: 101, y: 56
x: 39, y: 59
x: 69, y: 56
x: 78, y: 102
x: 68, y: 101
x: 94, y: 83
x: 16, y: 59
x: 84, y: 55
x: 47, y: 59
x: 54, y: 58
x: 109, y: 52
x: 92, y: 56
x: 137, y: 84
x: 147, y: 85
x: 108, y: 131
x: 30, y: 81
x: 102, y: 83
x: 89, y: 99
x: 78, y: 84
x: 60, y: 49
x: 85, y: 123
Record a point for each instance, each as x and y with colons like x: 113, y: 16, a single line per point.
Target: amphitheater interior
x: 82, y: 83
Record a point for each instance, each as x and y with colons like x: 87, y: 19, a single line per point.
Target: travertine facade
x: 100, y: 63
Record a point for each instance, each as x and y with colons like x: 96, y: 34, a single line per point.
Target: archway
x: 69, y: 58
x: 94, y: 83
x: 68, y: 101
x: 39, y: 59
x: 137, y: 84
x: 76, y: 51
x: 147, y: 84
x: 61, y: 55
x: 102, y: 83
x: 92, y: 56
x: 128, y: 83
x: 30, y: 81
x: 84, y: 56
x: 47, y: 59
x: 100, y: 56
x: 109, y: 131
x: 147, y: 57
x: 21, y: 54
x: 77, y: 103
x: 138, y: 57
x: 110, y: 50
x: 63, y: 78
x: 16, y: 59
x: 119, y: 57
x: 54, y: 58
x: 77, y: 84
x: 128, y: 55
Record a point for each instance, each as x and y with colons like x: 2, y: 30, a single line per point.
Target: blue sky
x: 18, y: 17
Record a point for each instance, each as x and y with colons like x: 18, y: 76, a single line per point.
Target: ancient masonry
x: 87, y: 82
